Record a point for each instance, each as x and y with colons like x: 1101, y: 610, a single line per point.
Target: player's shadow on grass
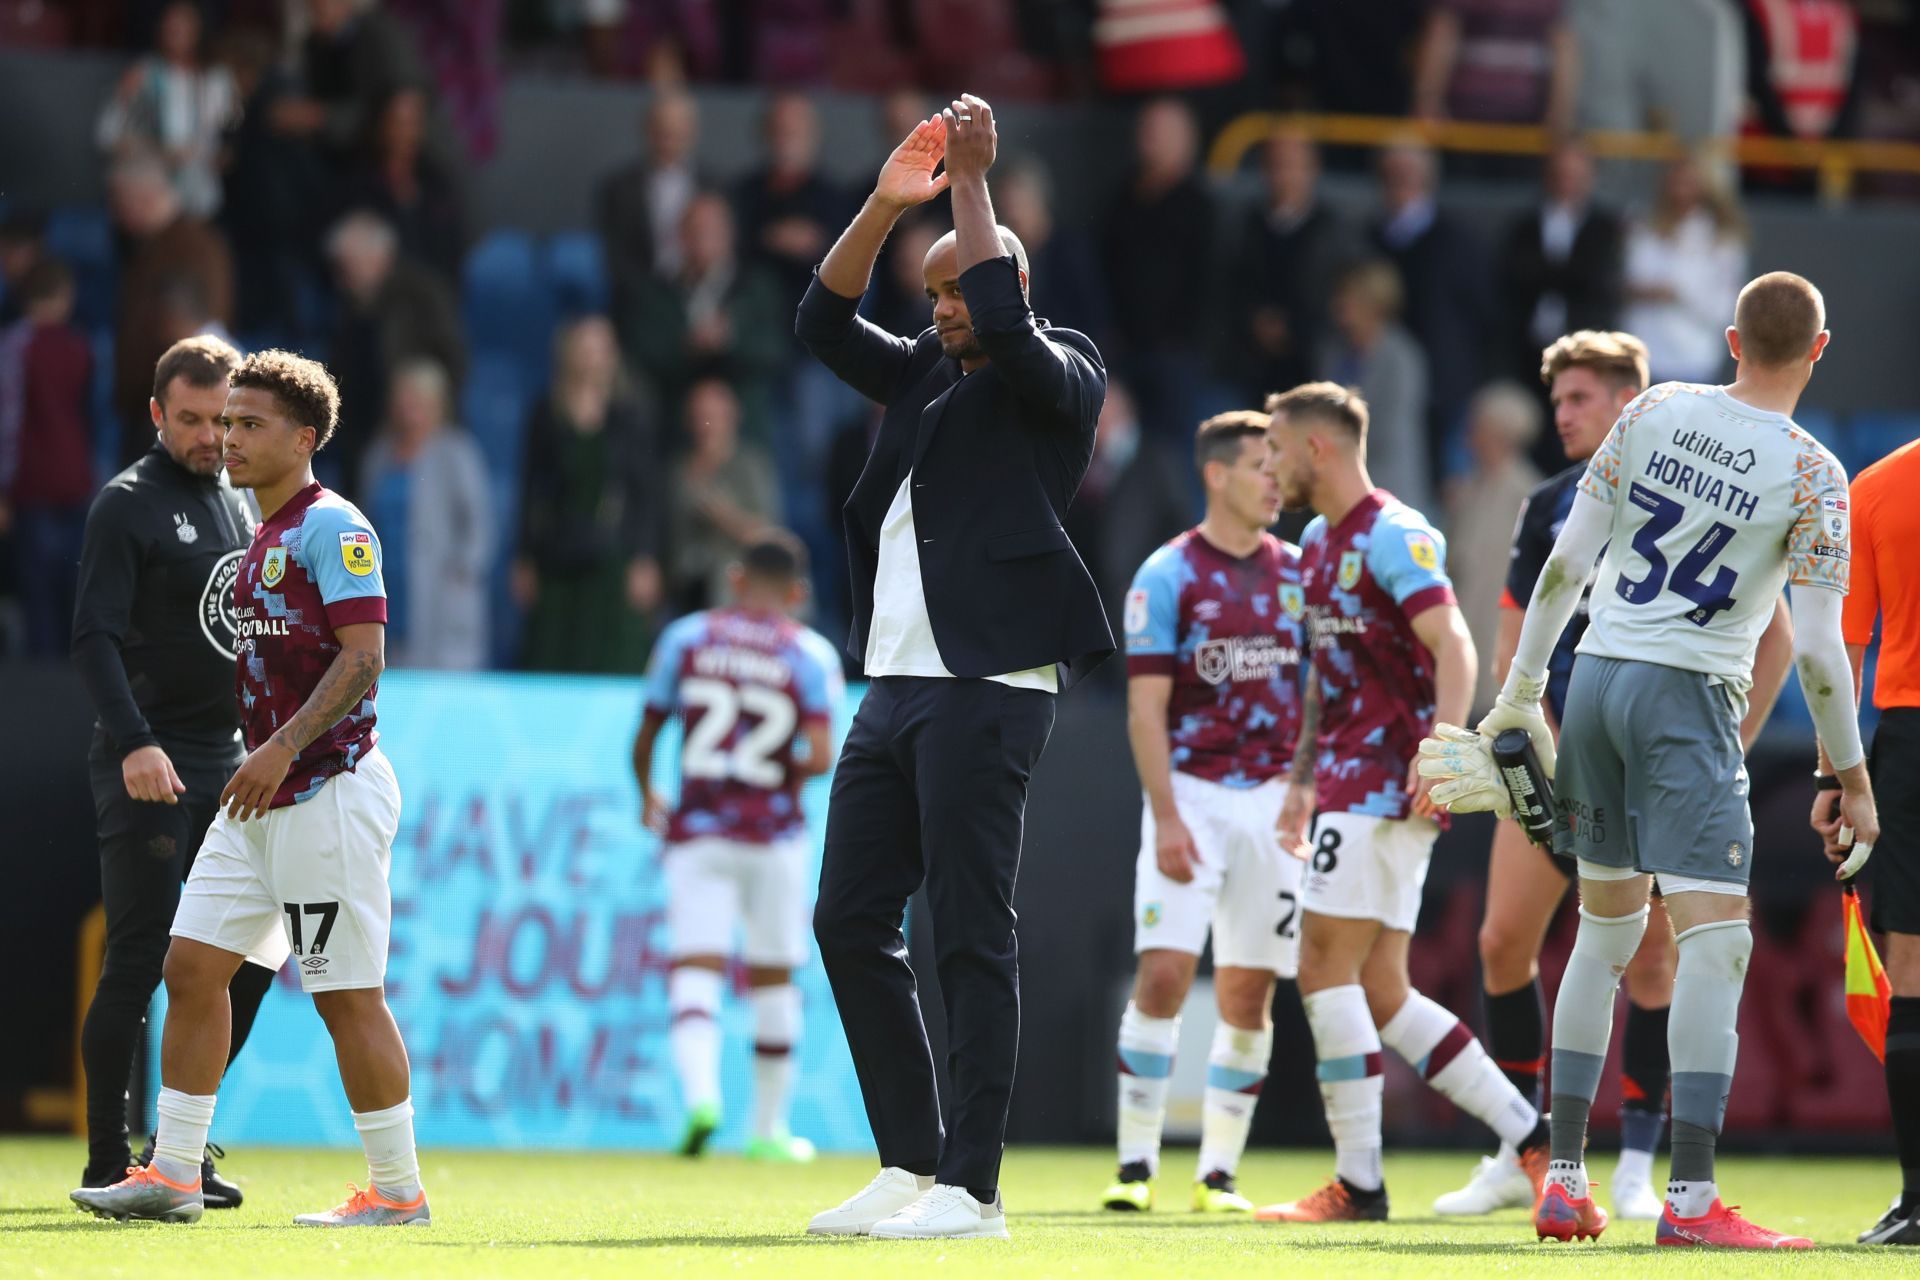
x: 785, y: 1239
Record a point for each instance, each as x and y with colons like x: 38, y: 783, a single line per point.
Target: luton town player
x: 1701, y: 505
x: 757, y: 694
x: 1214, y: 635
x: 305, y: 834
x: 1591, y: 377
x: 1389, y: 647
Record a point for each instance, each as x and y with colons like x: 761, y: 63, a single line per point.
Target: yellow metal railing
x: 1836, y: 163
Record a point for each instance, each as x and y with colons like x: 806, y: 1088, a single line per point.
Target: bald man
x: 971, y: 612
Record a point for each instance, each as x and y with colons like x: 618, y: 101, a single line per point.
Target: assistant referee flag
x: 1869, y: 993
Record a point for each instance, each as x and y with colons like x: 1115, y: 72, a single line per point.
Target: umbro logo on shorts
x: 314, y: 963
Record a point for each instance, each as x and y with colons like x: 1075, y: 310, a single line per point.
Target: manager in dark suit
x: 971, y: 611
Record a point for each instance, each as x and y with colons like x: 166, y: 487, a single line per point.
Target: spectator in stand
x: 1065, y: 286
x: 425, y: 484
x: 899, y: 303
x: 413, y: 192
x: 162, y: 244
x: 1686, y: 261
x: 1133, y: 499
x: 1560, y: 268
x: 389, y: 311
x: 22, y: 247
x: 46, y: 472
x: 460, y: 44
x: 640, y: 205
x: 277, y: 195
x: 1659, y: 64
x: 1482, y: 506
x: 789, y: 211
x: 588, y: 568
x: 1370, y: 350
x: 1342, y: 56
x: 1444, y: 271
x: 1803, y: 67
x: 723, y: 496
x: 1500, y: 61
x: 356, y: 57
x: 173, y: 105
x: 718, y: 316
x: 1292, y: 250
x: 1159, y: 264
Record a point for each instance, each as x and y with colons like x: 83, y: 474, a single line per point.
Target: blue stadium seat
x: 106, y: 427
x: 577, y: 267
x: 507, y: 300
x: 494, y: 406
x: 1875, y: 435
x: 81, y: 237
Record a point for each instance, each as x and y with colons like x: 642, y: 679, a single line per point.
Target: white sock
x: 1348, y: 1049
x: 1236, y: 1068
x: 1635, y: 1165
x: 180, y: 1137
x: 392, y: 1164
x: 1448, y: 1057
x: 693, y: 1004
x: 1146, y: 1069
x: 1571, y: 1174
x: 1691, y: 1199
x: 776, y: 1030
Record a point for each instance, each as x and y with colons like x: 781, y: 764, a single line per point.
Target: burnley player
x: 1591, y: 377
x: 1705, y: 501
x: 1389, y: 651
x: 1214, y: 635
x: 305, y: 834
x: 757, y: 694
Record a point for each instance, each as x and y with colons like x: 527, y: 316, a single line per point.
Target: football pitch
x: 556, y: 1216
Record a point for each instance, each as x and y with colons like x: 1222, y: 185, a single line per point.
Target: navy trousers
x: 931, y: 787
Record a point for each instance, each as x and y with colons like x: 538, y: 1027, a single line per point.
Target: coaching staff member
x: 1886, y: 589
x: 153, y: 637
x: 971, y: 610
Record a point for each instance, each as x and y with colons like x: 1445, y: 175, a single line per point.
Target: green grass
x: 556, y: 1216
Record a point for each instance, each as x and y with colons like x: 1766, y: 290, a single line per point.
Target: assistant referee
x: 153, y: 638
x: 1886, y: 588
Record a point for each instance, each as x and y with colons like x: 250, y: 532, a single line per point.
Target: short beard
x: 970, y: 350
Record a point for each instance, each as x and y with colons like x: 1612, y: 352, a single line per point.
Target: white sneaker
x: 1499, y: 1183
x: 945, y: 1213
x: 1634, y: 1199
x: 890, y: 1192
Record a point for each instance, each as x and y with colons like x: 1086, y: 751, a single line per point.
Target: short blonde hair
x: 1617, y: 358
x: 1328, y: 402
x: 1778, y: 317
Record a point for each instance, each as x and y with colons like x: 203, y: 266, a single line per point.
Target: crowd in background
x: 298, y: 174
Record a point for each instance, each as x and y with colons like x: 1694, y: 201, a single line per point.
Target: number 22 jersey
x: 745, y: 684
x: 1716, y: 506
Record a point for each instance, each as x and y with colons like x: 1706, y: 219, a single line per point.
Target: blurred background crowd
x: 563, y: 433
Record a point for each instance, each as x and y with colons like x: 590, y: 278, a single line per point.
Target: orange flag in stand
x: 1868, y: 991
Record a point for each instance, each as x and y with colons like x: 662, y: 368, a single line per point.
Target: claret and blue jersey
x: 1230, y: 631
x: 1366, y: 579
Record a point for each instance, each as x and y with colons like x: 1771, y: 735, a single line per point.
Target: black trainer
x: 216, y: 1192
x: 1900, y: 1225
x: 105, y: 1175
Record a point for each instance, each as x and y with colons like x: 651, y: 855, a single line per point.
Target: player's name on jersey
x: 741, y: 664
x: 1238, y: 658
x: 1684, y: 477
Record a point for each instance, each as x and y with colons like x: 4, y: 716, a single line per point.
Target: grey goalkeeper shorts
x: 1651, y: 775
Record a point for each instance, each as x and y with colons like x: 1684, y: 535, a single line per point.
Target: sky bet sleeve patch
x: 356, y: 552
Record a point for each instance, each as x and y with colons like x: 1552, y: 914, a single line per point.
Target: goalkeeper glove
x: 1470, y: 782
x: 1518, y: 707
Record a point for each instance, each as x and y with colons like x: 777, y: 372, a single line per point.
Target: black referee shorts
x: 1895, y: 866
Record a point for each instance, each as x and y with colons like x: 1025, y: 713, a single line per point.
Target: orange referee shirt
x: 1886, y: 573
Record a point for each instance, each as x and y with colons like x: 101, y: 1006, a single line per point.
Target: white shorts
x: 1368, y: 868
x: 714, y: 884
x: 311, y: 877
x: 1246, y: 887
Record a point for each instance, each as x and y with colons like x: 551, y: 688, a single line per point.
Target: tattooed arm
x: 1296, y: 814
x: 361, y: 659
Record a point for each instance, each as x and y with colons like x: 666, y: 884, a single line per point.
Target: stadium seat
x: 81, y: 237
x: 577, y: 268
x: 506, y: 300
x: 1875, y: 435
x: 494, y: 406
